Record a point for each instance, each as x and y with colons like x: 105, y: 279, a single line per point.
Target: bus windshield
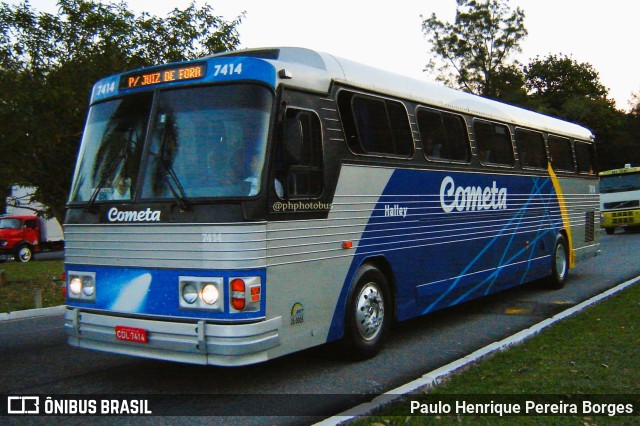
x: 620, y: 183
x: 204, y: 142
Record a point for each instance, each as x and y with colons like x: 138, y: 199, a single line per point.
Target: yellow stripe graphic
x: 565, y: 214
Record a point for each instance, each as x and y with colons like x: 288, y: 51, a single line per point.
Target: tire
x: 23, y: 253
x: 609, y: 231
x: 559, y: 265
x: 368, y: 314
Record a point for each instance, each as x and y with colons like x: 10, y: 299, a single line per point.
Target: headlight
x: 88, y: 287
x: 201, y: 293
x: 210, y: 294
x: 190, y: 293
x: 81, y: 286
x: 75, y: 286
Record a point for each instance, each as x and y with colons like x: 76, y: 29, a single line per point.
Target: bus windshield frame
x: 186, y: 143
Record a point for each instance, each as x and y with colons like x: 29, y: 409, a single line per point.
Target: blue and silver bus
x: 246, y: 205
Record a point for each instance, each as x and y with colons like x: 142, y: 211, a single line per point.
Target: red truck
x: 22, y: 235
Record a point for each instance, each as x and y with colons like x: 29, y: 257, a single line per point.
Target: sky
x: 388, y: 34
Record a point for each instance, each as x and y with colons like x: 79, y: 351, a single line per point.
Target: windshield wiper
x: 170, y: 174
x: 94, y: 195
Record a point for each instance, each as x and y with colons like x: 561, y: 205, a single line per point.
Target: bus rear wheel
x: 368, y: 314
x: 559, y: 265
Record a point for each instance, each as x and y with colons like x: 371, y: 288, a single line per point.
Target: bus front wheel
x: 560, y: 264
x: 368, y: 313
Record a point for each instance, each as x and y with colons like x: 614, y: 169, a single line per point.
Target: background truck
x: 22, y: 233
x: 620, y: 199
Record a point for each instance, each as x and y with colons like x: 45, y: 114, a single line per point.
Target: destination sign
x: 163, y: 75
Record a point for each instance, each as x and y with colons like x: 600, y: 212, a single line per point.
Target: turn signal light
x: 255, y: 294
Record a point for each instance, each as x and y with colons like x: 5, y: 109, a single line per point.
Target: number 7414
x: 227, y: 69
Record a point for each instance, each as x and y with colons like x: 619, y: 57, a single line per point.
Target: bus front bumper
x: 190, y: 342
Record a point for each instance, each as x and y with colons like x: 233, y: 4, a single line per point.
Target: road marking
x: 517, y: 311
x: 434, y: 377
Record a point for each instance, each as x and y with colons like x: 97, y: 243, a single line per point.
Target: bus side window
x: 585, y: 154
x: 494, y: 143
x: 443, y: 135
x: 299, y: 165
x: 375, y: 126
x: 531, y: 149
x: 561, y: 154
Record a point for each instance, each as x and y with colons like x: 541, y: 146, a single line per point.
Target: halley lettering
x: 471, y: 197
x: 148, y: 215
x: 395, y: 210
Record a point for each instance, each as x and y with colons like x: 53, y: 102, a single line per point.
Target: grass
x: 593, y: 352
x: 23, y: 279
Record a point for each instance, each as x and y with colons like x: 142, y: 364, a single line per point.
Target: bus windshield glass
x: 111, y: 149
x: 620, y: 183
x: 208, y: 142
x: 204, y: 142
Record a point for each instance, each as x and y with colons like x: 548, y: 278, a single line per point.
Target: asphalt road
x: 300, y: 388
x: 49, y: 255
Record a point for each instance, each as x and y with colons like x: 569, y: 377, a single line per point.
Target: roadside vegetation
x: 593, y: 352
x: 23, y: 280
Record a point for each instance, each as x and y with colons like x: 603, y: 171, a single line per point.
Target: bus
x: 620, y: 198
x: 250, y: 204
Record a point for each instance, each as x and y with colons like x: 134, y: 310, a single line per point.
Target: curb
x: 434, y: 377
x: 32, y: 313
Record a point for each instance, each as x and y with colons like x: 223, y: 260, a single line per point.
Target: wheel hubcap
x: 24, y: 254
x: 369, y: 311
x: 561, y: 262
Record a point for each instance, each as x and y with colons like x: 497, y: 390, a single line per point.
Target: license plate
x: 130, y: 334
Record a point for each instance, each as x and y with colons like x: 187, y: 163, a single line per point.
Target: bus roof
x: 314, y: 70
x: 622, y: 171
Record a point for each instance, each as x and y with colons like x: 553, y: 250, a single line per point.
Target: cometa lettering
x: 148, y: 215
x: 471, y: 198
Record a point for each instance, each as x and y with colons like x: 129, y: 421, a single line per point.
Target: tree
x: 632, y: 149
x: 509, y: 85
x: 48, y: 64
x: 559, y: 85
x: 558, y: 81
x: 476, y: 47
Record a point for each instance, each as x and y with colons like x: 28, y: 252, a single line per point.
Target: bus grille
x: 589, y: 230
x: 621, y: 218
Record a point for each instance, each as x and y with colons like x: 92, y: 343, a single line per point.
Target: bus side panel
x: 581, y: 201
x: 448, y: 236
x: 467, y: 234
x: 452, y: 236
x: 308, y: 267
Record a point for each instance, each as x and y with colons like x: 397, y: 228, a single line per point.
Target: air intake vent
x: 589, y: 227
